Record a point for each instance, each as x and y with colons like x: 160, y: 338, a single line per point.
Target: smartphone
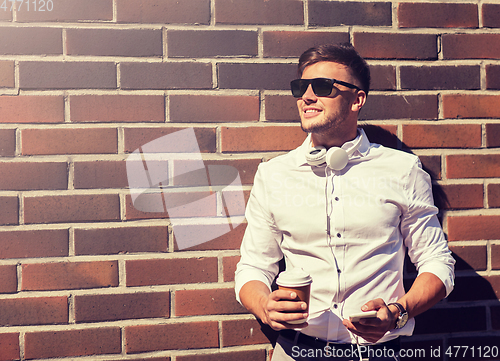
x: 358, y: 316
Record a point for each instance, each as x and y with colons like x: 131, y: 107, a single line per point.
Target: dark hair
x: 343, y: 54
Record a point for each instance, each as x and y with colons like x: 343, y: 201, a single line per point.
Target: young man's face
x: 333, y: 116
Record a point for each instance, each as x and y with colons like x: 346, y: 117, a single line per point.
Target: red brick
x: 72, y: 208
x: 382, y: 134
x: 171, y: 271
x: 121, y: 240
x: 471, y: 106
x: 400, y: 107
x: 195, y: 204
x: 476, y: 343
x: 281, y: 108
x: 166, y: 76
x: 251, y: 355
x: 7, y: 142
x: 30, y: 41
x: 163, y: 11
x: 32, y: 109
x: 335, y: 13
x: 463, y: 228
x: 34, y: 311
x: 230, y: 240
x: 485, y: 288
x: 6, y: 16
x: 383, y: 77
x: 9, y: 346
x: 242, y: 332
x: 442, y: 135
x: 493, y: 76
x: 495, y: 256
x: 287, y: 44
x: 493, y: 191
x: 176, y: 336
x: 67, y: 75
x: 112, y: 307
x: 69, y: 11
x: 259, y: 12
x: 73, y: 343
x: 246, y: 170
x: 124, y: 42
x: 432, y: 165
x: 470, y: 257
x: 256, y: 76
x: 34, y: 243
x: 473, y: 166
x: 428, y: 15
x: 8, y: 281
x: 41, y: 176
x: 491, y: 15
x: 69, y: 141
x: 229, y: 267
x: 440, y: 77
x: 9, y: 210
x: 100, y: 174
x: 7, y: 74
x: 463, y: 196
x: 138, y: 137
x: 259, y: 139
x: 207, y: 302
x: 213, y: 108
x: 69, y: 275
x: 396, y: 46
x: 471, y: 46
x: 492, y: 135
x: 210, y: 43
x: 117, y: 108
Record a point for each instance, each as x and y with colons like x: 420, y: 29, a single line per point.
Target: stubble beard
x: 330, y: 125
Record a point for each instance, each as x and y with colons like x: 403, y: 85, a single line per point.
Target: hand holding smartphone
x: 358, y: 316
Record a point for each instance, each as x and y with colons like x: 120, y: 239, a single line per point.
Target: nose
x: 309, y: 94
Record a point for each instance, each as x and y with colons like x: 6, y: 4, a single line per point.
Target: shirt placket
x: 337, y: 246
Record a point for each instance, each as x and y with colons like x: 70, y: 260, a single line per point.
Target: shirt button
x: 337, y: 198
x: 339, y: 271
x: 335, y: 306
x: 339, y: 235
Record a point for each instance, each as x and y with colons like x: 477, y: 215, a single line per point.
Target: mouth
x: 311, y: 111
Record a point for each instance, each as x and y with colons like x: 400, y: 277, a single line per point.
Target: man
x: 347, y: 222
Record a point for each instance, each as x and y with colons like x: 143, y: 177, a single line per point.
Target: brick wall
x: 86, y: 82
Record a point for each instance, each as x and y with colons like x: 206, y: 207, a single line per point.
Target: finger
x: 283, y: 295
x: 373, y: 305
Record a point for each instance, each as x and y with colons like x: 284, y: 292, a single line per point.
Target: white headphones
x: 336, y: 158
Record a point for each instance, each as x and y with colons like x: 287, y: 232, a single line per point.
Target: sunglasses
x: 322, y: 87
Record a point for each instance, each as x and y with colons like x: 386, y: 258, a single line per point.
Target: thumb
x: 373, y: 305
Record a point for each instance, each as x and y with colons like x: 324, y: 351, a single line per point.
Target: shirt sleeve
x: 260, y: 251
x: 423, y: 235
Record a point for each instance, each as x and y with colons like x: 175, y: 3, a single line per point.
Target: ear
x: 359, y: 101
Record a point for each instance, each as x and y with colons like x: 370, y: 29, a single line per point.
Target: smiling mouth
x: 312, y: 111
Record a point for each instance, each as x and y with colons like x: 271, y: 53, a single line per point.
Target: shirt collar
x: 362, y: 150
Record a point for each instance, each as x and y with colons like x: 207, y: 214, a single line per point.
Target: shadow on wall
x: 473, y: 305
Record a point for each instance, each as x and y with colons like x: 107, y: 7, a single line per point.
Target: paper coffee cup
x: 298, y: 281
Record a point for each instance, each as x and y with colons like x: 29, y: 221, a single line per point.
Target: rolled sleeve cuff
x: 247, y: 275
x: 444, y: 272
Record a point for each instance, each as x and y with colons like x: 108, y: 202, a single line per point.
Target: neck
x: 333, y: 140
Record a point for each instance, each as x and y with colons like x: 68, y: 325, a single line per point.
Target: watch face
x: 402, y: 320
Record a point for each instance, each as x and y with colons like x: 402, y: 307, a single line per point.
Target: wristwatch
x: 403, y: 315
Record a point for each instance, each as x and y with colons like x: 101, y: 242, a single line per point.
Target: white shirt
x: 379, y: 205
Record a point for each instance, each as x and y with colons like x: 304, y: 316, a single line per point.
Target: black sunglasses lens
x: 299, y: 87
x: 321, y: 87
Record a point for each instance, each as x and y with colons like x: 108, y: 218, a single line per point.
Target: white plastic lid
x: 296, y: 277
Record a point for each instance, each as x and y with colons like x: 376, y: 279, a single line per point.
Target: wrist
x: 401, y: 316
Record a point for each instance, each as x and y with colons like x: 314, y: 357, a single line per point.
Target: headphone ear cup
x: 337, y: 158
x: 316, y: 155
